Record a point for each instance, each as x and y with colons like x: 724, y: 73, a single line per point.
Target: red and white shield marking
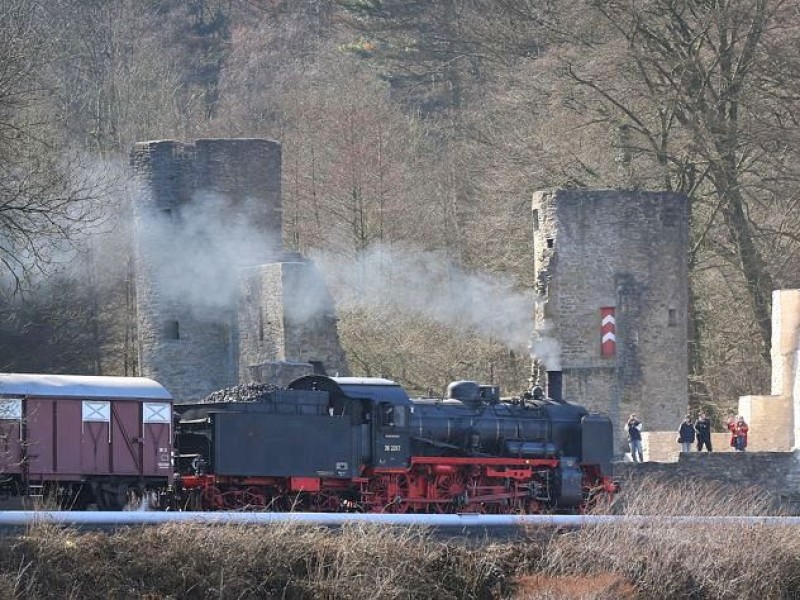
x: 608, y: 332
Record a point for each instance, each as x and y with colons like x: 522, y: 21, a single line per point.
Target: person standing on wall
x: 703, y: 428
x: 634, y: 427
x: 686, y: 434
x: 738, y: 429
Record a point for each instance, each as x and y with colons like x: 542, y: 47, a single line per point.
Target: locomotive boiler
x: 362, y: 444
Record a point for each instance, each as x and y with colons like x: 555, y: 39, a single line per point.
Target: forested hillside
x: 414, y: 133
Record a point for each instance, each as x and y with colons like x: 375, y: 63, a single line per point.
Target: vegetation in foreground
x: 622, y: 561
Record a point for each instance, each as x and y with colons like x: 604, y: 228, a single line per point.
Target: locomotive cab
x: 391, y: 410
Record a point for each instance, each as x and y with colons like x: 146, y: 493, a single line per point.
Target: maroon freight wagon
x: 84, y: 441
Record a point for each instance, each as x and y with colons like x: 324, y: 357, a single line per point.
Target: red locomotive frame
x: 429, y: 485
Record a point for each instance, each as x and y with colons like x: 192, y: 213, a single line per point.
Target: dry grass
x: 641, y: 560
x: 194, y: 561
x: 692, y: 560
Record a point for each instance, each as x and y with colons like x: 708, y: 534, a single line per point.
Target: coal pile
x: 249, y: 392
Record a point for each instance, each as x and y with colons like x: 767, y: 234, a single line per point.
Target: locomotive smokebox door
x: 391, y: 437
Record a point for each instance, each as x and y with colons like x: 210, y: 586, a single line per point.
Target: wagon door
x: 95, y: 437
x: 10, y: 435
x: 39, y: 445
x: 156, y: 438
x: 66, y: 423
x: 126, y: 437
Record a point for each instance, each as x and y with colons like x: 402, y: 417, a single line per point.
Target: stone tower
x: 612, y: 281
x: 206, y: 215
x: 283, y: 308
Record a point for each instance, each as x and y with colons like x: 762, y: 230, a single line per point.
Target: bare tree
x: 47, y: 195
x: 702, y: 97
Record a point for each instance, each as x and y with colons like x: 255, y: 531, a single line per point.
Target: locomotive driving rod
x: 456, y: 521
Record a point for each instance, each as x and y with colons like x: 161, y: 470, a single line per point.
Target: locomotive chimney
x: 554, y: 386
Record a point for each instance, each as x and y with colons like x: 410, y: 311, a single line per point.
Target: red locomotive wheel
x: 448, y: 491
x: 389, y: 494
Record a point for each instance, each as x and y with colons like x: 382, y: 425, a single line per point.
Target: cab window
x: 392, y: 416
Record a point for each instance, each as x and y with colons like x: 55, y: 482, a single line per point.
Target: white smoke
x: 545, y: 347
x: 197, y: 252
x: 430, y: 284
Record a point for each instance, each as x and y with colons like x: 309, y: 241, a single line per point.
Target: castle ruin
x: 219, y: 301
x: 612, y: 277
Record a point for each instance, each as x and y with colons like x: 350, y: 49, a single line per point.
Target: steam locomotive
x: 321, y: 444
x: 362, y: 444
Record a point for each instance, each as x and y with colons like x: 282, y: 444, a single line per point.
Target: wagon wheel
x: 253, y: 499
x: 533, y: 507
x: 277, y: 501
x: 212, y: 498
x: 326, y: 502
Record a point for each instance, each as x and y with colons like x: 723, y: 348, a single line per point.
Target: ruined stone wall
x: 185, y: 310
x: 260, y: 318
x: 626, y: 250
x: 310, y: 318
x: 286, y: 314
x: 770, y: 421
x: 776, y: 472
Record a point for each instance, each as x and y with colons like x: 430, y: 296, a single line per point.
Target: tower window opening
x: 672, y: 317
x: 172, y: 330
x: 550, y: 242
x: 536, y: 220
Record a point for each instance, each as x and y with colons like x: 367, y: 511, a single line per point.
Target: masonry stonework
x: 777, y: 473
x: 774, y: 419
x: 282, y: 310
x: 208, y: 245
x: 625, y: 250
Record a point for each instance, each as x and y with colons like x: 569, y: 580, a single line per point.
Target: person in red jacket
x: 738, y: 429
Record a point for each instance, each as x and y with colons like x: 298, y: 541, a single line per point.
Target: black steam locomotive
x: 362, y: 444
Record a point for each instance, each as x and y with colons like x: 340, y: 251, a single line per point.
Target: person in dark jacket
x: 686, y: 434
x: 703, y: 428
x: 634, y: 427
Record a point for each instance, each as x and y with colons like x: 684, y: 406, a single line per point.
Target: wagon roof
x: 84, y: 386
x: 363, y: 381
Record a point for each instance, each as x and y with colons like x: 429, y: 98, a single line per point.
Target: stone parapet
x: 777, y: 473
x: 662, y: 446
